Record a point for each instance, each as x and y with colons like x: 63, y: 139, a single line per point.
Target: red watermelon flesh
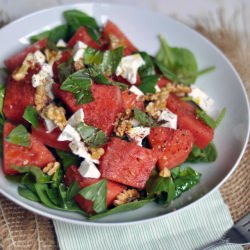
x: 172, y: 146
x: 131, y: 101
x: 101, y: 112
x: 127, y: 163
x: 37, y: 154
x: 113, y: 189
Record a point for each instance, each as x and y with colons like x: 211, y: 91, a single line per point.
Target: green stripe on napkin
x: 189, y: 229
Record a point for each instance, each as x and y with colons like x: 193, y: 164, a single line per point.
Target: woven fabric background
x: 21, y: 229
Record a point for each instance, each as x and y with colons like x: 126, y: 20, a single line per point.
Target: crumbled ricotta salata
x: 136, y: 91
x: 69, y: 134
x: 78, y: 51
x: 50, y: 125
x: 61, y: 44
x: 129, y: 66
x: 76, y: 118
x: 168, y: 119
x: 88, y: 169
x: 137, y: 134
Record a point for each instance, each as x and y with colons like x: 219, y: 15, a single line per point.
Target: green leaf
x: 208, y: 154
x: 31, y: 116
x: 201, y: 114
x: 68, y: 159
x: 97, y: 193
x: 76, y: 19
x: 53, y: 196
x: 64, y: 70
x: 148, y: 83
x: 53, y: 35
x: 220, y: 118
x: 79, y: 83
x: 26, y: 193
x: 2, y: 94
x: 92, y: 56
x: 72, y: 191
x: 35, y: 171
x: 148, y: 68
x: 122, y: 208
x: 143, y: 118
x: 166, y: 72
x: 19, y: 136
x: 91, y: 135
x: 57, y: 177
x: 28, y: 180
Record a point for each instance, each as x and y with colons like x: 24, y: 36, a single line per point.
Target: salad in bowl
x: 93, y: 125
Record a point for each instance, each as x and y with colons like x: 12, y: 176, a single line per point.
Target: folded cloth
x: 191, y: 228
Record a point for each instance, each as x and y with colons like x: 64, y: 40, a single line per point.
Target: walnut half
x: 126, y: 196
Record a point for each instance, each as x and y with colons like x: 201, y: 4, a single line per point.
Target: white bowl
x: 143, y: 27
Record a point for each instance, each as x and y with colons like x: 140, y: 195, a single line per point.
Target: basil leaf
x: 79, y: 83
x: 185, y: 180
x: 19, y: 136
x: 122, y: 208
x: 39, y: 36
x: 73, y: 190
x: 27, y: 194
x: 166, y: 72
x: 143, y: 118
x: 31, y: 116
x: 2, y: 94
x: 97, y: 193
x: 201, y: 114
x: 29, y: 181
x: 148, y: 68
x: 91, y: 135
x: 68, y: 159
x: 220, y: 118
x: 64, y: 70
x: 76, y: 19
x: 208, y: 154
x: 35, y: 171
x: 148, y: 83
x: 92, y: 56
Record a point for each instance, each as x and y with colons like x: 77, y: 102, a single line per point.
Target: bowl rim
x: 172, y: 213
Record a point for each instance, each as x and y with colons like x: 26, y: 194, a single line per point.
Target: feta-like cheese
x: 157, y: 88
x: 135, y: 123
x: 202, y: 100
x: 137, y: 134
x: 76, y: 118
x: 129, y: 66
x: 89, y: 170
x: 79, y: 148
x: 43, y: 76
x: 48, y: 89
x: 50, y: 125
x: 168, y: 119
x: 136, y: 91
x: 39, y: 57
x: 78, y: 51
x: 69, y: 134
x: 61, y: 43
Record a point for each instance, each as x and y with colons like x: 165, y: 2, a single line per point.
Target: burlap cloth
x: 21, y: 229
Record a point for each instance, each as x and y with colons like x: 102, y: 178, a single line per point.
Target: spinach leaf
x: 2, y: 93
x: 57, y: 177
x: 35, y: 171
x: 148, y: 83
x: 72, y: 191
x: 166, y: 72
x: 143, y: 118
x: 26, y: 193
x: 68, y: 159
x: 31, y: 116
x: 53, y: 35
x: 148, y: 68
x: 19, y: 136
x: 92, y: 136
x: 185, y: 180
x: 97, y: 193
x: 201, y: 114
x: 28, y: 180
x: 53, y: 195
x: 79, y: 83
x: 208, y: 154
x: 76, y: 19
x: 122, y: 208
x: 64, y: 70
x: 92, y: 56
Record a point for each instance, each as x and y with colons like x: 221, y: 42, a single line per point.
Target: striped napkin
x: 192, y: 228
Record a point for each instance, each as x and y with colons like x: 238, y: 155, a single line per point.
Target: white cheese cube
x: 76, y: 118
x: 137, y: 134
x: 136, y: 91
x: 168, y: 119
x: 157, y: 88
x: 134, y: 123
x: 61, y: 43
x: 88, y: 169
x: 39, y: 57
x: 78, y: 51
x: 69, y: 134
x: 50, y: 125
x: 129, y: 66
x: 43, y: 76
x: 202, y: 100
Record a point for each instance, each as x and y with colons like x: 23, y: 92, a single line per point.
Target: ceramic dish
x: 142, y: 28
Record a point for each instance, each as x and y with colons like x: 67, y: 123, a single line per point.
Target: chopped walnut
x: 126, y: 196
x: 178, y: 88
x: 55, y: 114
x: 51, y: 168
x: 41, y: 98
x: 165, y: 172
x: 78, y: 65
x: 123, y: 123
x: 96, y: 153
x: 52, y: 55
